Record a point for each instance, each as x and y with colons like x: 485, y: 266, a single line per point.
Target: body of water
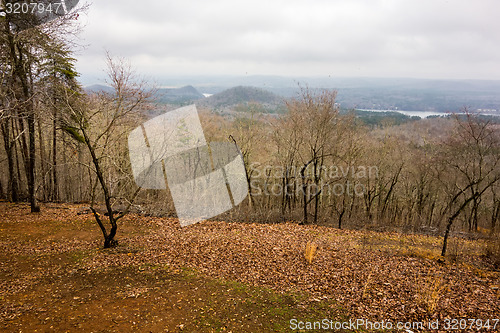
x: 425, y: 114
x: 421, y: 114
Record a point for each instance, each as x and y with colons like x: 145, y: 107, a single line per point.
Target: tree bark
x: 109, y: 240
x: 55, y: 189
x: 12, y: 186
x: 32, y: 159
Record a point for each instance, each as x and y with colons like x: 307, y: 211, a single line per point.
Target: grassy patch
x: 260, y: 309
x: 79, y: 257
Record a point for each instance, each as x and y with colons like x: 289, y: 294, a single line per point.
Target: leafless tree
x: 101, y: 122
x: 471, y: 156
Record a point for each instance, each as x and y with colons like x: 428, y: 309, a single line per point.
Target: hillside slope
x: 178, y: 95
x: 242, y: 96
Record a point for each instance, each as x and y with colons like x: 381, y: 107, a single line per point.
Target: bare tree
x: 472, y: 160
x: 102, y: 123
x: 315, y: 119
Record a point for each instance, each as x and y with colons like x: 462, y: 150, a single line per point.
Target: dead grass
x: 310, y: 251
x: 492, y: 252
x: 431, y: 290
x: 366, y: 287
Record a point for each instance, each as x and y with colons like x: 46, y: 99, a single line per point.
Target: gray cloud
x: 384, y: 38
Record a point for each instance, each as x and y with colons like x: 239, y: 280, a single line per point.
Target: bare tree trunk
x: 18, y: 160
x: 316, y: 206
x: 43, y: 161
x: 318, y: 164
x: 304, y: 191
x: 449, y: 224
x: 21, y: 134
x: 284, y: 193
x: 109, y: 240
x: 495, y: 216
x: 474, y: 214
x: 55, y: 189
x: 12, y: 186
x: 385, y: 201
x: 341, y: 215
x: 32, y: 159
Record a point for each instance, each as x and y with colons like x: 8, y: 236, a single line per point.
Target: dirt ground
x: 223, y: 277
x: 46, y: 284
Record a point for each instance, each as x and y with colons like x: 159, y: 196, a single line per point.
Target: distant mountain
x: 241, y: 96
x: 370, y: 93
x: 178, y: 95
x: 97, y: 88
x: 353, y: 93
x: 162, y: 95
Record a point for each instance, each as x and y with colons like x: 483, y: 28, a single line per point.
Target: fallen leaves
x: 366, y: 282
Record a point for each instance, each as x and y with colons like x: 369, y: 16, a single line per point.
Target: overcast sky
x: 455, y: 39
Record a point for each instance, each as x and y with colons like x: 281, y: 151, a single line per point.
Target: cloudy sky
x: 455, y: 39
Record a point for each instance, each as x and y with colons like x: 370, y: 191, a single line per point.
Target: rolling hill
x: 241, y: 97
x: 178, y: 95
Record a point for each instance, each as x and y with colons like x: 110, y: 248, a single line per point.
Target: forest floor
x: 216, y: 276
